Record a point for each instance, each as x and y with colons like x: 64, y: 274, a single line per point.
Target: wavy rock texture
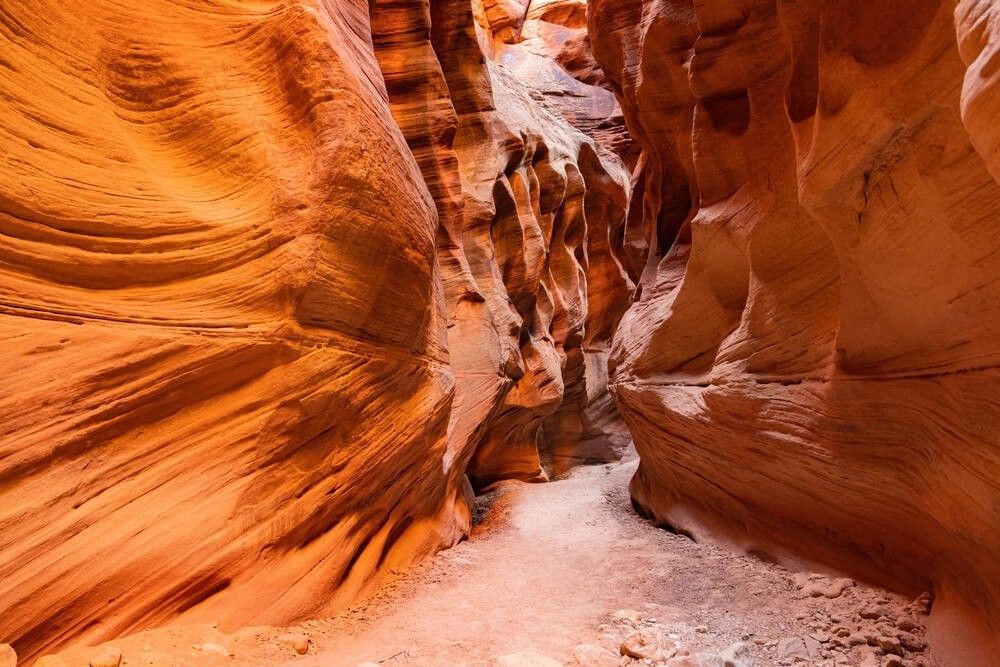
x: 811, y: 370
x: 249, y: 369
x: 554, y: 204
x: 221, y: 319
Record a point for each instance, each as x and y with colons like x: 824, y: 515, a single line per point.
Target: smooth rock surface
x: 812, y: 368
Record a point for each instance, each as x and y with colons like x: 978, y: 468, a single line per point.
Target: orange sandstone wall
x: 274, y: 277
x: 811, y: 368
x: 227, y: 388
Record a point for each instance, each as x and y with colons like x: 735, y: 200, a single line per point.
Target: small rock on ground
x: 297, y: 642
x: 109, y: 657
x: 647, y: 645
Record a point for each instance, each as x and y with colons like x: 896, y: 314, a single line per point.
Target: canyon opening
x: 515, y: 333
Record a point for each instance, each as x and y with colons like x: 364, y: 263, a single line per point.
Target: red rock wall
x: 811, y: 369
x: 274, y: 278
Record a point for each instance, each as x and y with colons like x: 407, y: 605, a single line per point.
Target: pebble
x: 831, y: 590
x: 912, y: 644
x: 109, y: 657
x: 889, y: 645
x: 876, y: 612
x: 8, y: 656
x: 646, y: 645
x: 297, y: 642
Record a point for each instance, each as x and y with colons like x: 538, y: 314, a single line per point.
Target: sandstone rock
x: 527, y: 659
x: 833, y: 589
x: 911, y: 643
x: 629, y: 615
x: 8, y: 657
x: 297, y: 642
x: 590, y: 655
x: 646, y: 644
x: 108, y: 657
x: 889, y: 645
x: 791, y: 648
x: 856, y: 639
x: 876, y: 613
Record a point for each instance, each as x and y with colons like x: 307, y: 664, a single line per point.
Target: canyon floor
x: 565, y: 573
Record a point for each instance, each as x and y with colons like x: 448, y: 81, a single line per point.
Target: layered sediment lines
x: 276, y: 279
x: 811, y: 368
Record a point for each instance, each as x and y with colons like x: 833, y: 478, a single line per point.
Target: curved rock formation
x: 221, y: 319
x: 275, y: 277
x: 811, y: 370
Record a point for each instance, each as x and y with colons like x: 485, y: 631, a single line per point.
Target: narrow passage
x: 567, y: 571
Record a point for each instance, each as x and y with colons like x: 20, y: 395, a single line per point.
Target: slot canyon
x: 500, y: 332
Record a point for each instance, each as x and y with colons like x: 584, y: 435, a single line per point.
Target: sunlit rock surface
x: 275, y: 278
x: 810, y: 370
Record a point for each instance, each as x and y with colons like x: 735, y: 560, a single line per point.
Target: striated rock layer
x: 276, y: 278
x: 811, y: 369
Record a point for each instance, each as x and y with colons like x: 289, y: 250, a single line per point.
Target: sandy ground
x: 553, y: 567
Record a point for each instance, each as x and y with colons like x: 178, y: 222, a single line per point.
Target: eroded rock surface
x: 811, y: 369
x: 275, y: 277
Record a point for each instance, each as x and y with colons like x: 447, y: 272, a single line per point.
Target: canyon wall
x: 278, y: 279
x: 810, y: 370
